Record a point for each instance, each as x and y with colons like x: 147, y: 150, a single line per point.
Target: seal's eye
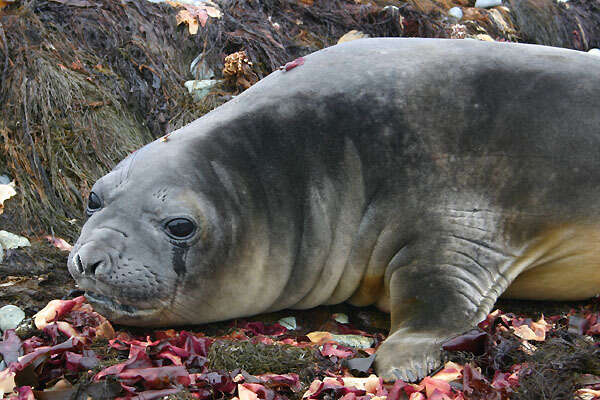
x: 180, y: 228
x: 94, y: 203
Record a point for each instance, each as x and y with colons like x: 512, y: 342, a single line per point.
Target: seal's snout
x: 87, y: 268
x: 90, y: 262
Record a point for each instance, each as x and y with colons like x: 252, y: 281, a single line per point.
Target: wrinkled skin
x: 425, y: 176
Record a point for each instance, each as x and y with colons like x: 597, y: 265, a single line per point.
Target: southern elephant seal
x: 425, y: 176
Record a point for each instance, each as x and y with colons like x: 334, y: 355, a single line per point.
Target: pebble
x: 487, y: 3
x: 341, y: 318
x: 356, y: 341
x: 455, y: 12
x: 4, y: 180
x: 288, y: 323
x: 200, y: 89
x: 11, y: 241
x: 10, y: 317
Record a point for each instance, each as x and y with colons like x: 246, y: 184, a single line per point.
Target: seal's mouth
x: 117, y: 309
x: 107, y: 302
x: 121, y: 313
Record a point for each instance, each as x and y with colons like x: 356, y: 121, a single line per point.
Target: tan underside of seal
x: 562, y: 263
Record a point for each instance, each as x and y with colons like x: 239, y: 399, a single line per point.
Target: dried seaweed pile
x: 574, y: 24
x: 82, y: 87
x: 274, y: 32
x: 85, y: 82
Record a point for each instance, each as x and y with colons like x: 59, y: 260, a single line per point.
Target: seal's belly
x: 563, y: 264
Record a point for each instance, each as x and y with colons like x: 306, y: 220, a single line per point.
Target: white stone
x: 456, y: 12
x: 11, y: 241
x: 10, y: 317
x: 487, y: 3
x: 356, y: 341
x: 200, y: 89
x: 288, y: 323
x: 341, y: 318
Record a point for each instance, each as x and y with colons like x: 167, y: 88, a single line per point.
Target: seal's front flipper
x: 439, y: 288
x: 408, y: 356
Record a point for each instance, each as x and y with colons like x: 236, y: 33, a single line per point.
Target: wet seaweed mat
x: 68, y: 351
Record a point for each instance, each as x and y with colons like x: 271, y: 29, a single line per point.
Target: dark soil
x: 32, y: 276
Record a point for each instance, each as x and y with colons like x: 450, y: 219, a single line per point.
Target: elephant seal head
x: 157, y: 248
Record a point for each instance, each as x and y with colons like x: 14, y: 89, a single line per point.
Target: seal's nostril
x: 94, y: 266
x: 78, y: 264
